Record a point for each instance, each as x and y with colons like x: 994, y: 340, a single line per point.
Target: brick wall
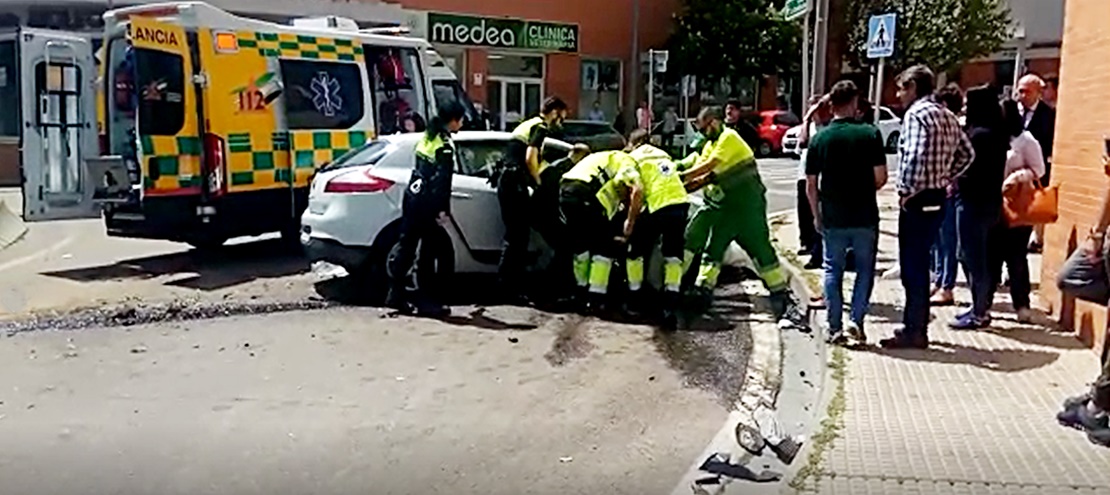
x: 1082, y: 120
x: 562, y: 78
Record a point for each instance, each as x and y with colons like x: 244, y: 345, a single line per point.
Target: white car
x: 890, y: 126
x: 354, y: 206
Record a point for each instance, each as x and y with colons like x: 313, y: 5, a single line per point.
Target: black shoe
x: 1077, y: 400
x: 668, y: 321
x: 787, y: 312
x: 1079, y: 417
x: 1099, y: 437
x: 904, y: 341
x: 432, y: 310
x: 396, y: 300
x: 805, y: 251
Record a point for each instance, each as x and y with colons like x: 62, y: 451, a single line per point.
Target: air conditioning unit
x: 327, y: 22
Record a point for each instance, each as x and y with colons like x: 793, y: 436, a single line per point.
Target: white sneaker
x: 892, y: 274
x: 1026, y: 315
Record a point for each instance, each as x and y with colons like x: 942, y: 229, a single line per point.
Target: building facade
x: 510, y: 54
x: 1082, y: 128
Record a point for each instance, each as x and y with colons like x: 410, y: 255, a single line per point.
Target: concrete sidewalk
x: 975, y: 413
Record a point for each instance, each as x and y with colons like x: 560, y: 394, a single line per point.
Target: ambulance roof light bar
x: 327, y: 22
x: 388, y: 30
x: 148, y: 10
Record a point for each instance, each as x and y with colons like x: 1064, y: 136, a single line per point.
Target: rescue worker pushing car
x: 424, y: 211
x: 589, y: 198
x: 659, y: 187
x: 521, y: 171
x: 735, y: 209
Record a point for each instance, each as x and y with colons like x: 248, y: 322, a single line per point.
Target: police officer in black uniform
x: 521, y: 171
x: 426, y: 205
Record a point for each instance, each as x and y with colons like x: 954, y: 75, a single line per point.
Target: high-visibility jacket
x: 429, y: 188
x: 662, y: 185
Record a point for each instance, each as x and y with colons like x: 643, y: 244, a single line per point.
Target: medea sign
x: 502, y: 33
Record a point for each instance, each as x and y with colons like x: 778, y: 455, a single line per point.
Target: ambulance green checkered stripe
x: 245, y: 43
x: 185, y: 145
x: 281, y: 141
x: 182, y: 182
x: 271, y: 45
x: 242, y: 178
x: 239, y: 143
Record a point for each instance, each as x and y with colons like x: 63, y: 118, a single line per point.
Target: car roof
x: 412, y: 137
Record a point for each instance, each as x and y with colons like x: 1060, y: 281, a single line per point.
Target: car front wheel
x: 765, y: 149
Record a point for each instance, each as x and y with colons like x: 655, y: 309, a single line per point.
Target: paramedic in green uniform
x: 520, y: 173
x: 589, y: 199
x: 661, y: 190
x: 735, y: 209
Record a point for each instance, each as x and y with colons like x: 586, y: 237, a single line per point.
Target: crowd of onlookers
x: 961, y: 157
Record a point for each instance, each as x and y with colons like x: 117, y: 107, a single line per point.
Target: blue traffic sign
x: 880, y: 36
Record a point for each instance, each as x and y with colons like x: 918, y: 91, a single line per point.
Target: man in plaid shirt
x: 934, y: 150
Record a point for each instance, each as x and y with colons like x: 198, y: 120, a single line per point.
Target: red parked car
x: 772, y: 126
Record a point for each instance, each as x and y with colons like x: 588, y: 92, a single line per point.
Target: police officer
x: 549, y: 223
x: 521, y: 170
x: 659, y: 187
x: 589, y: 198
x: 424, y: 209
x: 735, y: 209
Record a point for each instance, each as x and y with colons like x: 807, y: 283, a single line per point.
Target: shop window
x: 9, y: 89
x: 399, y: 91
x: 515, y: 66
x: 600, y: 96
x: 160, y: 83
x: 322, y: 95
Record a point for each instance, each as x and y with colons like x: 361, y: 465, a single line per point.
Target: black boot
x: 787, y: 312
x: 397, y: 299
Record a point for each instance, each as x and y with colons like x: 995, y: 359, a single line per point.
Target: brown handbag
x: 1031, y: 205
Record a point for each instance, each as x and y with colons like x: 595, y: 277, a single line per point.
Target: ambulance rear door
x: 58, y: 124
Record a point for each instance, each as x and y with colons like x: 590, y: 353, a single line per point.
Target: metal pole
x: 1019, y: 60
x: 807, y: 84
x: 685, y: 114
x: 879, y: 88
x: 636, y: 67
x: 820, y: 45
x: 651, y: 88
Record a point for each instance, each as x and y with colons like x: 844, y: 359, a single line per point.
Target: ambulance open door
x: 58, y: 124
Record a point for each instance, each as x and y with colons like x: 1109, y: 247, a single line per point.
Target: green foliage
x: 717, y: 39
x: 942, y: 34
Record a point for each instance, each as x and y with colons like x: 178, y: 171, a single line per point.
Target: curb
x: 762, y: 383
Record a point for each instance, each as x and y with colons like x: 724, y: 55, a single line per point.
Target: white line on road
x: 7, y: 265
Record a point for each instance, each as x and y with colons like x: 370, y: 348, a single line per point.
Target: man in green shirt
x: 735, y: 209
x: 845, y: 168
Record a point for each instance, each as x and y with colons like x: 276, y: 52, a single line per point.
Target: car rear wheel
x: 892, y: 142
x: 765, y: 149
x: 374, y: 275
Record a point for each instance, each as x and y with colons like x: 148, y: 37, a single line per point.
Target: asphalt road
x: 780, y: 176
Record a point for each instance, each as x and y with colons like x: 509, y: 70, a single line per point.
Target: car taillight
x: 214, y: 159
x: 358, y: 181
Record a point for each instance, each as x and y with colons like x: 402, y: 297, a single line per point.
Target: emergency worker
x: 665, y: 215
x: 589, y: 199
x: 735, y: 209
x: 518, y: 174
x: 424, y: 210
x: 549, y: 223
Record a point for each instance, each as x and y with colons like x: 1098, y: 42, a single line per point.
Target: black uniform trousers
x: 588, y: 229
x: 417, y: 231
x: 668, y: 223
x: 515, y: 202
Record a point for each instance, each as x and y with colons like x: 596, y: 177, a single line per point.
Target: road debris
x: 139, y: 349
x: 566, y: 459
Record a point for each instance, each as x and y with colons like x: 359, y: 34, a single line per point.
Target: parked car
x: 354, y: 207
x: 890, y: 126
x: 772, y: 126
x: 599, y: 136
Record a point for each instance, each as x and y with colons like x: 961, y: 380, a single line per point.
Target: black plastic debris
x: 719, y: 464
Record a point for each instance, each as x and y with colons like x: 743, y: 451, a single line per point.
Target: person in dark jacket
x: 1039, y: 119
x: 425, y: 207
x: 979, y: 200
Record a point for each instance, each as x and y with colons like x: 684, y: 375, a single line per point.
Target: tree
x: 728, y: 39
x: 942, y: 34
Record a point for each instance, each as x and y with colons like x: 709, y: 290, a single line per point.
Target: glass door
x: 512, y: 100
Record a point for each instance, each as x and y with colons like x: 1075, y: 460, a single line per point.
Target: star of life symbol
x: 325, y: 94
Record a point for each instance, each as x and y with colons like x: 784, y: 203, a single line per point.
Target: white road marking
x: 7, y: 265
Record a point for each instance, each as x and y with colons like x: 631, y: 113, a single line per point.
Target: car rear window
x: 369, y: 154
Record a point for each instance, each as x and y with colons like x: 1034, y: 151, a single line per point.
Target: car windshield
x: 369, y: 154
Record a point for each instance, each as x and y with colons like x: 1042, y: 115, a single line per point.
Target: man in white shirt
x: 817, y: 116
x: 1040, y: 121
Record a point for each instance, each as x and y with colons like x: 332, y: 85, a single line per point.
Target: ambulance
x: 212, y: 125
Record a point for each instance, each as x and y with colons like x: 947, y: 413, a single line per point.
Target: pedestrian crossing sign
x: 880, y: 36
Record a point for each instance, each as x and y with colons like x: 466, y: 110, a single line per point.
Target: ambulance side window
x: 322, y: 95
x: 398, y: 83
x: 161, y: 87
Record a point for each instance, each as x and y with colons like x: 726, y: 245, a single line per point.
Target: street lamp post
x: 1019, y: 57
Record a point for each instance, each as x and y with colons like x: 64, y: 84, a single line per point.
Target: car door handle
x: 461, y: 195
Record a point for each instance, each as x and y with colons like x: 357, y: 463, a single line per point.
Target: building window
x: 322, y: 95
x: 399, y: 91
x: 600, y: 95
x: 160, y: 84
x: 516, y: 66
x: 9, y: 89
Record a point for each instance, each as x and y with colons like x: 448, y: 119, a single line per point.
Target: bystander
x: 845, y: 168
x: 934, y: 150
x: 1040, y: 120
x: 946, y: 248
x: 815, y: 119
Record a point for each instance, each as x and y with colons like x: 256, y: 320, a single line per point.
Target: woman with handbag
x: 1009, y: 243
